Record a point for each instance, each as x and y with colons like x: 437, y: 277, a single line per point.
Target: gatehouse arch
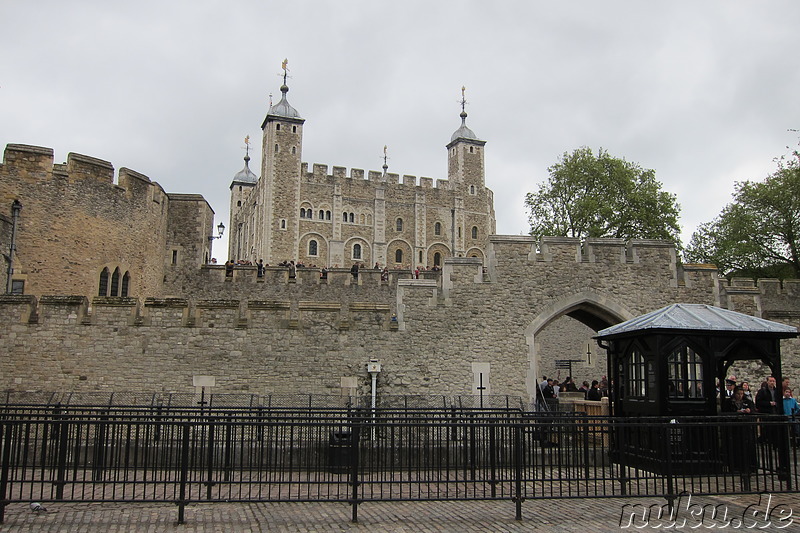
x: 589, y: 307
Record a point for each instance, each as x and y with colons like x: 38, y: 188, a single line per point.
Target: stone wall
x: 276, y: 335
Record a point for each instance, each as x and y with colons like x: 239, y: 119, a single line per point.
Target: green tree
x: 590, y: 195
x: 758, y: 234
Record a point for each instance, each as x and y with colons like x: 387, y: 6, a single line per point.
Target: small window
x: 363, y: 219
x: 327, y: 215
x: 294, y: 129
x: 277, y: 127
x: 459, y: 232
x: 344, y: 217
x: 294, y: 150
x: 398, y: 256
x: 437, y: 228
x: 312, y: 247
x: 420, y: 257
x: 240, y: 188
x: 126, y: 281
x: 283, y: 223
x: 437, y: 259
x: 239, y: 203
x: 103, y: 289
x: 474, y: 232
x: 356, y: 251
x: 115, y: 282
x: 352, y: 217
x: 17, y: 286
x: 471, y: 150
x: 399, y: 224
x: 685, y: 374
x: 276, y: 148
x: 174, y: 257
x: 636, y: 375
x: 321, y: 214
x: 472, y: 189
x: 302, y: 212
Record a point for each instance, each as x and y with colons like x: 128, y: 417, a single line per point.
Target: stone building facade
x: 338, y: 218
x: 81, y: 233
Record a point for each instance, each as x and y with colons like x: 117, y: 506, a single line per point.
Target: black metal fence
x: 356, y: 455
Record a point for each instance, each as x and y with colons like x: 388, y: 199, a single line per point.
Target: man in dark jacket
x: 594, y: 392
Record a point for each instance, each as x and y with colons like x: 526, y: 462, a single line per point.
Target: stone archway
x: 589, y: 307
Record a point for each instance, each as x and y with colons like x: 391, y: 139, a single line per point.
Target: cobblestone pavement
x: 584, y: 515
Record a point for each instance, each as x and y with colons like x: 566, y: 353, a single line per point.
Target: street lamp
x: 16, y: 207
x: 220, y: 231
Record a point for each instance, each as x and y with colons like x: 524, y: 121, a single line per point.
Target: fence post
x: 518, y: 457
x: 667, y: 440
x: 493, y: 457
x: 99, y: 454
x: 354, y: 465
x: 6, y: 466
x: 210, y: 459
x: 63, y: 448
x: 184, y: 472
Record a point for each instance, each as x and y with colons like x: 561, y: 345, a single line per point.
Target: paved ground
x: 584, y: 515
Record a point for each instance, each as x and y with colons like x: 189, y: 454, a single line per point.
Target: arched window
x: 352, y: 217
x: 420, y: 257
x: 472, y: 189
x: 344, y: 217
x: 356, y: 251
x: 363, y: 219
x: 277, y: 127
x: 327, y: 215
x: 321, y: 214
x: 302, y: 212
x: 399, y: 224
x: 103, y: 289
x: 115, y: 282
x: 239, y: 203
x: 398, y: 256
x: 294, y: 150
x: 312, y: 247
x: 276, y: 148
x: 283, y: 223
x: 294, y: 129
x: 126, y: 282
x: 459, y: 232
x: 474, y: 232
x: 437, y: 259
x: 437, y: 228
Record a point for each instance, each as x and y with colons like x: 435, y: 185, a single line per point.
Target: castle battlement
x: 319, y: 174
x: 36, y: 162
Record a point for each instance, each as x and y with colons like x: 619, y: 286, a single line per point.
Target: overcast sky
x: 701, y: 91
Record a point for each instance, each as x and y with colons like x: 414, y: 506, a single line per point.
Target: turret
x: 241, y: 186
x: 465, y: 157
x: 282, y: 151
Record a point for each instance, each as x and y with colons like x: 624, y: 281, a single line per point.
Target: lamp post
x: 16, y: 207
x: 374, y: 368
x: 220, y: 231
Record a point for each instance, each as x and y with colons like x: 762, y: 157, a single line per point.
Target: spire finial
x: 285, y: 67
x: 247, y: 150
x: 385, y: 158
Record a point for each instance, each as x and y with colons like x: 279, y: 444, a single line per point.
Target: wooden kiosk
x: 666, y: 364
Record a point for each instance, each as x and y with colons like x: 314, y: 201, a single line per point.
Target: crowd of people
x: 549, y: 389
x: 293, y: 266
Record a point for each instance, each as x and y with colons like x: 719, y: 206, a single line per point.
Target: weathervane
x: 285, y: 67
x: 385, y: 158
x: 463, y: 99
x: 247, y: 146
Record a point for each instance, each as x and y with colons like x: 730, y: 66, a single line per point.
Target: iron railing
x: 355, y: 455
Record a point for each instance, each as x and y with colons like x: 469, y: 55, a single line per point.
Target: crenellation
x: 62, y: 310
x: 24, y: 158
x: 374, y: 175
x: 86, y: 167
x: 320, y: 171
x: 410, y: 181
x: 17, y: 308
x: 443, y: 184
x: 114, y: 311
x: 607, y: 251
x: 357, y: 173
x: 560, y: 249
x: 339, y: 172
x: 426, y: 183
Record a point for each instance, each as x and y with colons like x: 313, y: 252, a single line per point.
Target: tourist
x: 791, y: 409
x: 594, y: 393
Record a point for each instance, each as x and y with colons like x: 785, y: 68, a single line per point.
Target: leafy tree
x: 758, y: 234
x: 590, y: 195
